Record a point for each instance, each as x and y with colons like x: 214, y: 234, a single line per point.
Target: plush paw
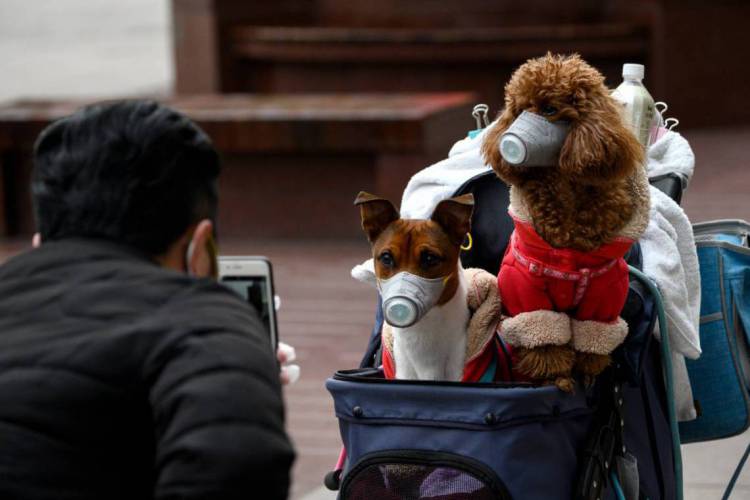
x: 598, y: 337
x: 536, y: 329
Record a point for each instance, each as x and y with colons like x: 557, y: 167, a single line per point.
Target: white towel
x: 441, y: 180
x: 671, y: 154
x: 671, y: 259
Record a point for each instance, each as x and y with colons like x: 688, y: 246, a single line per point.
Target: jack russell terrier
x: 440, y: 319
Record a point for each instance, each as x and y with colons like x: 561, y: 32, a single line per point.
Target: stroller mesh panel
x: 405, y: 475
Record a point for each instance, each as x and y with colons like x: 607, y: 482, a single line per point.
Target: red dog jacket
x: 588, y: 285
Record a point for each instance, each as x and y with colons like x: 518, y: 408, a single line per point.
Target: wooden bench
x: 387, y: 46
x: 303, y: 59
x: 293, y: 164
x: 693, y: 50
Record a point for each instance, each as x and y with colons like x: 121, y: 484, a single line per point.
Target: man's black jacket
x: 120, y: 379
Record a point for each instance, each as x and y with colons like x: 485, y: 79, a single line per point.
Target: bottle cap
x: 633, y: 71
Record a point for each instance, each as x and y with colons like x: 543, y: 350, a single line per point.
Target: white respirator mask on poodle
x: 533, y: 141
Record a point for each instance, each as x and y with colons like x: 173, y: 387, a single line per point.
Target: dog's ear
x: 599, y: 147
x: 376, y: 213
x: 454, y: 216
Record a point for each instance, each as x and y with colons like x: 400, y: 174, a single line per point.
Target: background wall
x: 67, y: 48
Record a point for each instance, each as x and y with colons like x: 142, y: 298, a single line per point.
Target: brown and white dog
x: 418, y: 260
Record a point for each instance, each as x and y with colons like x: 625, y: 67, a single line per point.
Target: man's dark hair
x: 134, y: 172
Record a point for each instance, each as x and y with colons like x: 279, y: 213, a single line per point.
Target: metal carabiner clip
x: 479, y: 113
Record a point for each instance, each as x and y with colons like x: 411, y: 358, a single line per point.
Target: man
x: 125, y: 372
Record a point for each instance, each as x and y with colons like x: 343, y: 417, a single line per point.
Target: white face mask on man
x: 408, y: 297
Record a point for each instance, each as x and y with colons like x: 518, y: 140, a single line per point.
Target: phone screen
x: 254, y: 289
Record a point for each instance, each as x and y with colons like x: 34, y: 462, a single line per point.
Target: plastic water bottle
x: 638, y: 105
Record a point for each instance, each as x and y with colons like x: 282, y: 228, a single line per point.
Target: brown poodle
x: 575, y: 217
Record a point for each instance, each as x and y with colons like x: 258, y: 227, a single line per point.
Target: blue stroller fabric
x: 720, y: 378
x: 382, y: 419
x: 449, y: 441
x: 503, y: 428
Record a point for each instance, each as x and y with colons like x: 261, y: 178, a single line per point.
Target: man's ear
x: 201, y: 255
x: 454, y: 216
x: 36, y: 240
x: 377, y: 214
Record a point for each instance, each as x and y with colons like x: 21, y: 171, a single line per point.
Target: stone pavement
x: 327, y: 317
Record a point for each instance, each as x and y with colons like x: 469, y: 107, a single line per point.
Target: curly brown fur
x: 551, y: 364
x: 590, y: 365
x: 585, y: 200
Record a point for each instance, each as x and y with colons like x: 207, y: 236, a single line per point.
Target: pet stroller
x: 456, y: 441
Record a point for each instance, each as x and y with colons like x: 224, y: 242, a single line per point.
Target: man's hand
x: 289, y: 373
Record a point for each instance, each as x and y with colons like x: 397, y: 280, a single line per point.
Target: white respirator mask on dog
x: 408, y: 297
x: 533, y: 141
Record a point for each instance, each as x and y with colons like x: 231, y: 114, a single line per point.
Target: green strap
x: 616, y: 484
x: 489, y: 374
x: 666, y: 359
x: 736, y: 474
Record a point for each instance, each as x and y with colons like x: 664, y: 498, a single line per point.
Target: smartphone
x: 252, y: 279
